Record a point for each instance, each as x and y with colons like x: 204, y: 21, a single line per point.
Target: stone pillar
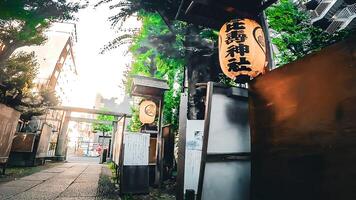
x: 61, y: 146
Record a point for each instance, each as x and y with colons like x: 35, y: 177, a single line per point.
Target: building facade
x: 331, y: 15
x: 113, y: 104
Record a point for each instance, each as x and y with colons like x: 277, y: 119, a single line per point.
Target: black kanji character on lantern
x: 234, y: 25
x: 238, y: 66
x: 241, y: 49
x: 233, y: 65
x: 235, y: 36
x: 243, y: 61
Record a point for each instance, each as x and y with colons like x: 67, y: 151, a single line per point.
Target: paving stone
x: 93, y: 169
x: 22, y: 183
x: 76, y: 198
x: 76, y: 172
x: 40, y: 176
x: 88, y: 178
x: 87, y: 189
x: 89, y: 174
x: 73, y: 171
x: 52, y: 187
x: 66, y: 165
x: 65, y: 182
x: 71, y: 174
x: 54, y: 170
x: 35, y: 195
x: 6, y: 191
x: 60, y: 181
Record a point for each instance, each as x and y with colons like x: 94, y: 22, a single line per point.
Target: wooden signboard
x: 303, y: 127
x: 153, y: 151
x: 134, y: 167
x: 8, y: 121
x: 23, y: 142
x: 136, y: 147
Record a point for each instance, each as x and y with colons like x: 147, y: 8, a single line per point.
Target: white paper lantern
x: 242, y: 50
x: 148, y: 110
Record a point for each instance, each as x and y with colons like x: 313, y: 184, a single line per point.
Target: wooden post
x: 264, y: 24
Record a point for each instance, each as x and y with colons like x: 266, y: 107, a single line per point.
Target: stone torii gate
x: 62, y: 137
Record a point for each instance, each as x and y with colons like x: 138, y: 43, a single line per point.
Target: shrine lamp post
x: 153, y: 89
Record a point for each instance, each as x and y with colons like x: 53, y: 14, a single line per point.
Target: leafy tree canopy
x: 22, y: 23
x: 157, y: 53
x: 294, y: 35
x: 16, y: 78
x: 104, y: 128
x: 158, y: 48
x: 166, y: 8
x: 134, y: 124
x: 37, y: 104
x: 16, y: 87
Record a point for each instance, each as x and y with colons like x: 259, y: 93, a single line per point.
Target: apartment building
x: 331, y: 15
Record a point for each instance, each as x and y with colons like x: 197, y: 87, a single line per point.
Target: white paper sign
x: 136, y: 149
x: 194, y: 144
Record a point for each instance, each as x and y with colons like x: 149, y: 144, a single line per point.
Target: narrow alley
x: 177, y: 99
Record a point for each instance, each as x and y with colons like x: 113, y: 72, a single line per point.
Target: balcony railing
x: 342, y: 19
x: 322, y: 9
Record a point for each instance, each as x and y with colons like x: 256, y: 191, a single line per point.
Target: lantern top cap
x: 147, y: 86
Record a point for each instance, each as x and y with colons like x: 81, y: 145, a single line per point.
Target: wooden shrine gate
x: 61, y: 147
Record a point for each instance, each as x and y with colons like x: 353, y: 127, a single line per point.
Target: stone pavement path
x: 68, y: 181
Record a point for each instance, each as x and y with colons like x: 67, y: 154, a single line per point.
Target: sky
x: 98, y: 73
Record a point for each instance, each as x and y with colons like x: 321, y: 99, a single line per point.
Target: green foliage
x: 37, y: 104
x: 22, y: 23
x: 129, y: 8
x: 160, y: 54
x: 16, y: 78
x: 16, y: 87
x: 159, y: 48
x: 135, y: 123
x: 104, y: 128
x: 296, y: 36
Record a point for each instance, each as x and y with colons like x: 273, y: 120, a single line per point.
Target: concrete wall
x: 8, y: 122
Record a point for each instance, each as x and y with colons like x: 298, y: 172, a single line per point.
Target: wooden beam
x: 89, y: 111
x: 88, y: 120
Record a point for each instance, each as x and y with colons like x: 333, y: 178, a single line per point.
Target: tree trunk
x: 202, y: 67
